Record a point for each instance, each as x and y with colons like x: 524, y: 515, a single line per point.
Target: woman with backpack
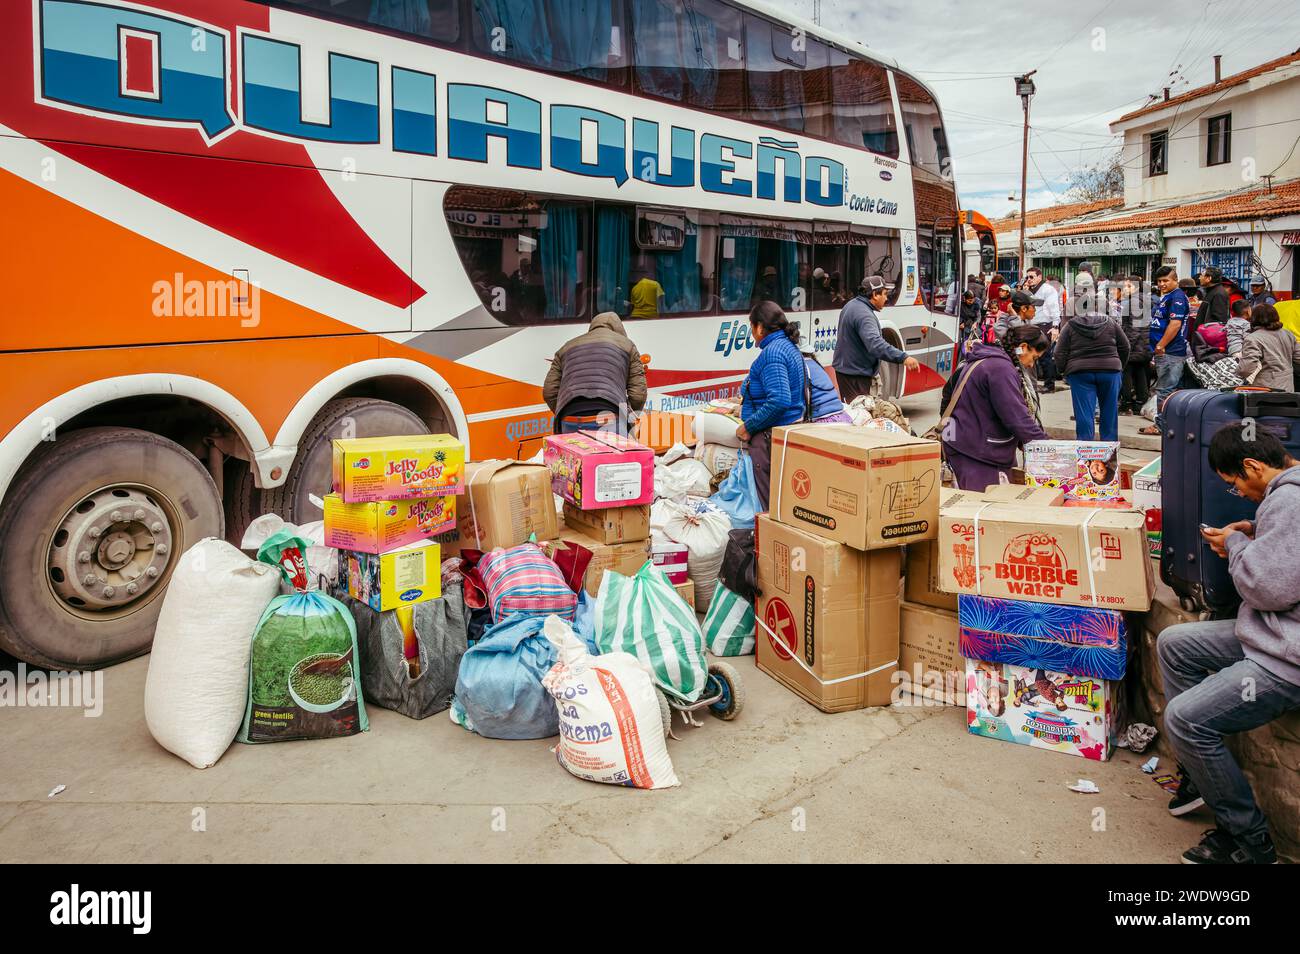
x: 989, y: 408
x: 783, y: 387
x: 1270, y: 353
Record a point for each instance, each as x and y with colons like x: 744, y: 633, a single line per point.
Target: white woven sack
x: 703, y: 528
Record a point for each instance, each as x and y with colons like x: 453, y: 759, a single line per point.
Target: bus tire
x: 310, y: 474
x: 114, y: 503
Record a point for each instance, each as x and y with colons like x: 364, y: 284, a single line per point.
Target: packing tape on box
x: 975, y: 531
x: 469, y: 490
x: 808, y: 669
x: 1087, y: 552
x: 780, y: 471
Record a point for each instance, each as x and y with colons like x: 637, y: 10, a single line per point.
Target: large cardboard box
x: 1044, y: 709
x: 384, y: 581
x: 505, y: 503
x: 379, y: 526
x: 922, y: 585
x: 624, y: 558
x: 611, y: 525
x: 1080, y: 640
x: 827, y: 612
x: 1082, y: 556
x: 865, y: 488
x: 929, y: 655
x: 1026, y: 496
x: 597, y: 469
x: 397, y: 468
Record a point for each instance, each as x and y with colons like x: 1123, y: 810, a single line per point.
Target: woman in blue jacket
x: 782, y: 388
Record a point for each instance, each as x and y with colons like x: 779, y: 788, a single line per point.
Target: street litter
x: 1137, y: 737
x: 56, y: 790
x: 1149, y: 766
x: 1085, y: 786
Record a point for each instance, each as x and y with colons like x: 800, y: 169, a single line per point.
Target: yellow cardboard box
x: 384, y: 581
x: 381, y: 525
x: 397, y: 468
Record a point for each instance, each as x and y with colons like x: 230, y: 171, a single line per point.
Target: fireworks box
x: 624, y: 558
x: 397, y: 468
x: 865, y: 488
x: 1081, y: 556
x: 1146, y: 498
x: 1083, y: 470
x: 1040, y: 708
x: 506, y: 502
x: 611, y: 525
x: 827, y: 617
x: 597, y: 469
x: 1079, y: 640
x: 384, y: 581
x: 382, y: 525
x: 929, y: 655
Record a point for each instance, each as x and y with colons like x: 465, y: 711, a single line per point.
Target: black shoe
x: 1188, y: 798
x: 1217, y: 847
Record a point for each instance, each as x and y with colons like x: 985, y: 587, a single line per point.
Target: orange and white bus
x: 234, y: 230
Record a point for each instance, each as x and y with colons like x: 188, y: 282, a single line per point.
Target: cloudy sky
x: 1096, y: 60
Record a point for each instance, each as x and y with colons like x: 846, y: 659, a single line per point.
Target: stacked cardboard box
x: 844, y: 500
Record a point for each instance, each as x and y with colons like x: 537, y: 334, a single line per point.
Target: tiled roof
x: 1054, y: 213
x: 1236, y: 79
x: 1256, y: 203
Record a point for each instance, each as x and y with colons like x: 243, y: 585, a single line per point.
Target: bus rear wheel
x: 92, y: 530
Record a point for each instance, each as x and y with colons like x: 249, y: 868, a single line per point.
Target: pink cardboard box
x: 671, y: 558
x: 595, y: 469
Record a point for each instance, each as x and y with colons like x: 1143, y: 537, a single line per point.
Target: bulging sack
x: 608, y: 712
x: 729, y: 625
x: 304, y: 680
x: 499, y: 692
x: 737, y: 496
x: 523, y: 580
x: 197, y: 687
x: 702, y: 528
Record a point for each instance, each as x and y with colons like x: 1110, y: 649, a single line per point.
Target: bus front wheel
x: 89, y: 534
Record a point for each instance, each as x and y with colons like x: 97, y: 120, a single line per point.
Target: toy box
x: 398, y: 468
x: 1084, y: 470
x: 1041, y: 708
x: 596, y: 469
x: 1076, y: 639
x: 1146, y: 498
x: 385, y: 581
x: 382, y: 525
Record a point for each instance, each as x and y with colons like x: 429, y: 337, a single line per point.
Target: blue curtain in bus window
x: 679, y: 274
x: 699, y: 55
x: 613, y: 256
x: 409, y: 16
x: 787, y: 272
x: 738, y: 272
x: 657, y: 48
x: 524, y: 23
x: 559, y: 249
x: 581, y: 36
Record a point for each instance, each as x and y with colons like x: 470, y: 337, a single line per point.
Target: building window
x: 1158, y: 153
x: 1218, y: 140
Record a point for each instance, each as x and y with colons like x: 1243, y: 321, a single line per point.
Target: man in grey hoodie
x: 1223, y: 677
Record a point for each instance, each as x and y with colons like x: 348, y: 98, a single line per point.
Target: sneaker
x: 1217, y: 847
x: 1188, y: 798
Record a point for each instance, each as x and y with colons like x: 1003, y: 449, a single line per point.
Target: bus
x: 238, y: 229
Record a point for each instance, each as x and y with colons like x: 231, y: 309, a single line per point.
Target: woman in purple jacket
x: 992, y: 418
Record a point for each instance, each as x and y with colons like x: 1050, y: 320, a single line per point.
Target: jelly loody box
x: 398, y: 468
x: 1041, y: 708
x: 1081, y: 556
x: 1083, y: 470
x: 596, y: 469
x: 382, y: 525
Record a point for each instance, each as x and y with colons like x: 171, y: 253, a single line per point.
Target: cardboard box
x: 505, y: 503
x: 1026, y: 496
x: 1080, y: 640
x: 1046, y: 554
x: 1041, y: 708
x: 384, y: 581
x: 1146, y: 498
x: 624, y: 558
x: 379, y: 526
x: 671, y: 557
x: 922, y: 583
x: 597, y: 469
x: 929, y: 658
x: 835, y: 609
x: 660, y: 430
x: 397, y: 468
x: 611, y: 525
x: 1084, y: 470
x: 862, y: 487
x: 687, y: 592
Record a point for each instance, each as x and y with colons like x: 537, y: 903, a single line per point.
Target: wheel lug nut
x: 95, y: 532
x: 132, y: 589
x: 155, y: 527
x: 116, y: 516
x: 83, y: 557
x: 160, y: 549
x: 152, y: 572
x: 138, y: 515
x: 89, y: 579
x: 108, y: 592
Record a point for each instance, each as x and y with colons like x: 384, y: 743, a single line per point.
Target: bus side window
x: 864, y: 108
x: 652, y: 263
x: 690, y: 51
x: 927, y: 144
x: 585, y: 38
x: 763, y: 259
x: 437, y: 20
x: 848, y: 253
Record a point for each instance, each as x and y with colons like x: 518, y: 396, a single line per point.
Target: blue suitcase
x: 1192, y: 494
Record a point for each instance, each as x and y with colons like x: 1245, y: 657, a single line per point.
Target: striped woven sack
x: 644, y: 616
x: 523, y: 581
x: 729, y: 624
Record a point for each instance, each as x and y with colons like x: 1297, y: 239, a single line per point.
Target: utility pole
x: 1025, y: 90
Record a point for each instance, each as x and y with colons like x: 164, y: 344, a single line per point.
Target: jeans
x: 1088, y: 390
x: 1169, y: 374
x: 1213, y: 690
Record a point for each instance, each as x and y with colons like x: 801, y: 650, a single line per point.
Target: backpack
x: 1214, y: 335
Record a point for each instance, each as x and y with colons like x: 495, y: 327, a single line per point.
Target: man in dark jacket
x: 1214, y: 301
x: 1093, y: 350
x: 859, y: 345
x: 596, y: 379
x: 1136, y: 323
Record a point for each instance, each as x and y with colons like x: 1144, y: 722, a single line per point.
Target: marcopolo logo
x: 77, y: 907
